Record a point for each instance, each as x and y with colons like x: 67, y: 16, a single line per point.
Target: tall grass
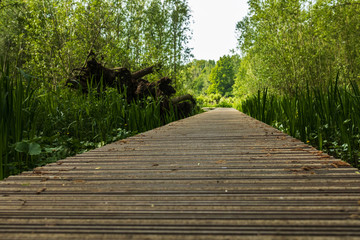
x: 53, y: 122
x: 328, y: 119
x: 17, y: 108
x: 260, y: 107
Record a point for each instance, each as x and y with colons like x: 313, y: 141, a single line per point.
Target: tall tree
x: 179, y: 34
x: 195, y: 76
x: 295, y: 43
x: 50, y: 38
x: 222, y: 76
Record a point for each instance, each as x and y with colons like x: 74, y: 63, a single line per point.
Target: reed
x: 327, y: 118
x: 51, y: 123
x: 17, y: 109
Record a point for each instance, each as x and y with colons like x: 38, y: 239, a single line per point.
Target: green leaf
x: 22, y: 147
x: 34, y: 149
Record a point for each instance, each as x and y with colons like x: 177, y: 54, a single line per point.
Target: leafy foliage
x: 40, y: 126
x: 291, y: 44
x: 211, y: 81
x: 50, y: 38
x: 222, y: 75
x: 45, y: 41
x: 195, y: 76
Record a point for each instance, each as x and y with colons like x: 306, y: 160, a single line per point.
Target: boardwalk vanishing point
x: 216, y: 175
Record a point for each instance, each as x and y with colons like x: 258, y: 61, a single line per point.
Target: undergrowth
x: 42, y: 125
x: 327, y: 119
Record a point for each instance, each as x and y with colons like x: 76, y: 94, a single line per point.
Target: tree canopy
x: 50, y: 38
x: 223, y: 75
x: 288, y: 44
x: 195, y: 76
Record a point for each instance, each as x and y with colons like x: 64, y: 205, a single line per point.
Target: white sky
x: 214, y: 26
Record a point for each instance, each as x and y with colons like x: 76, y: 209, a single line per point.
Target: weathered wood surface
x: 217, y: 175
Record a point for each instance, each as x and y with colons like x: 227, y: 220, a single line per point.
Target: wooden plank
x: 217, y: 175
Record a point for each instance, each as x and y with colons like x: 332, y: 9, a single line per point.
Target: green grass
x: 17, y: 107
x: 327, y: 118
x: 43, y: 125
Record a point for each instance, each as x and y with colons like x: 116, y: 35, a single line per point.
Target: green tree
x: 179, y: 34
x: 299, y: 43
x: 222, y: 76
x: 195, y: 76
x: 12, y: 32
x: 51, y: 38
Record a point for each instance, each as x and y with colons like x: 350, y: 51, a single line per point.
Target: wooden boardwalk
x: 217, y: 175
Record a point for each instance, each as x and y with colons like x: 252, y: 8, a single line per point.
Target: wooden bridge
x: 217, y: 175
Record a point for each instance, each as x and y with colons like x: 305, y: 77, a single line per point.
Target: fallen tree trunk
x: 95, y: 75
x: 183, y: 98
x: 143, y: 72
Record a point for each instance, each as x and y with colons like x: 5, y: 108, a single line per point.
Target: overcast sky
x: 214, y: 26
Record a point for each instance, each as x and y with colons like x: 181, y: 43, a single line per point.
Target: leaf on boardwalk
x: 297, y: 149
x: 317, y: 153
x: 79, y: 181
x: 41, y: 190
x: 338, y: 164
x: 307, y: 168
x: 304, y: 169
x: 129, y: 149
x: 44, y: 179
x: 37, y: 171
x: 221, y: 162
